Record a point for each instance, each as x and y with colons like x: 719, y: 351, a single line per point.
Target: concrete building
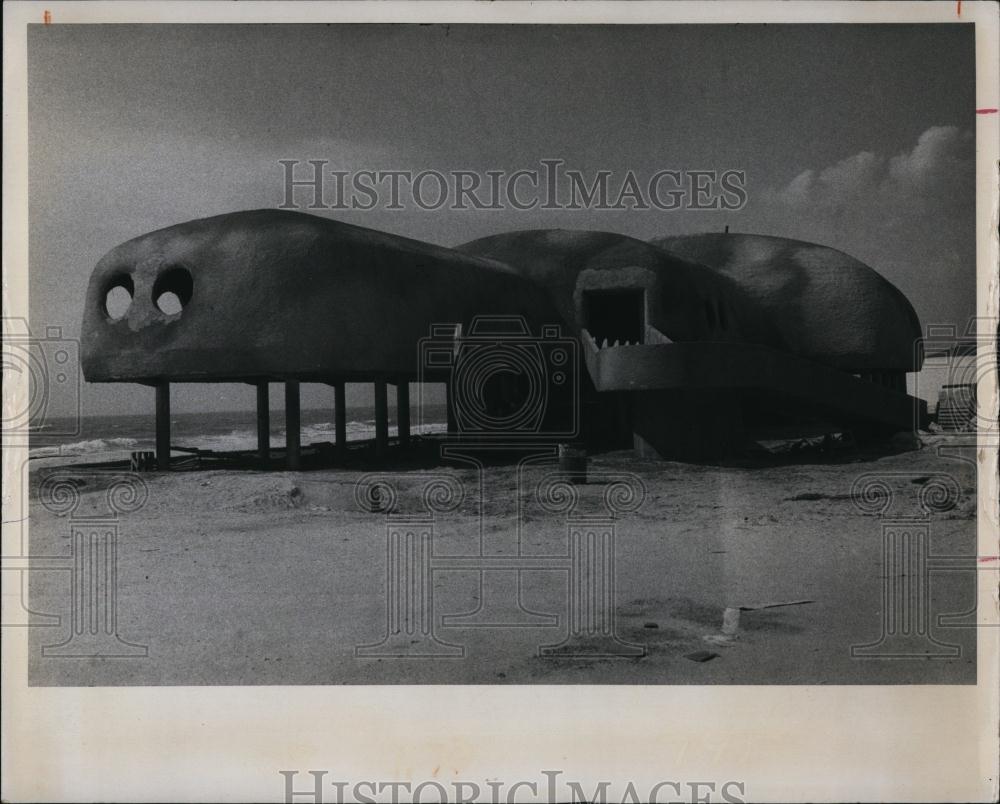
x: 679, y: 348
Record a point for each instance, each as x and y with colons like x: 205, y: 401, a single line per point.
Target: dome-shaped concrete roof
x: 685, y: 301
x: 829, y: 306
x: 271, y: 293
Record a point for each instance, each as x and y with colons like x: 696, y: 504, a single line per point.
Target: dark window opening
x: 615, y: 315
x: 172, y: 290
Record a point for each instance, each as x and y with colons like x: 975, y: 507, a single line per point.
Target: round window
x: 118, y: 297
x: 172, y: 290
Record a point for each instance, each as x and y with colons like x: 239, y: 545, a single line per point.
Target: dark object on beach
x: 573, y: 461
x: 142, y: 461
x: 814, y: 496
x: 701, y: 656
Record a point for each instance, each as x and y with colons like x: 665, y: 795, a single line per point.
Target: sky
x: 858, y: 137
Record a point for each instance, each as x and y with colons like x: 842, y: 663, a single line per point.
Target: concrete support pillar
x: 449, y: 407
x: 293, y: 451
x: 263, y: 422
x: 340, y: 415
x: 163, y: 426
x: 623, y: 409
x: 403, y: 412
x: 381, y: 418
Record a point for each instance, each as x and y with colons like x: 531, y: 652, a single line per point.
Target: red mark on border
x: 47, y: 17
x: 987, y: 111
x: 959, y: 8
x: 987, y: 559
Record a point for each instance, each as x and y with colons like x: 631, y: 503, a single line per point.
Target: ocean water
x: 223, y: 431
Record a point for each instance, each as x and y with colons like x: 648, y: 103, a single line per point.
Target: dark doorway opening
x: 615, y: 315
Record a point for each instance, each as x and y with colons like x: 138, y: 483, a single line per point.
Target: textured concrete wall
x: 287, y: 296
x: 684, y: 301
x: 828, y: 306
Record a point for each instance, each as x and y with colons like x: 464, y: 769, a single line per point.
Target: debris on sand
x: 730, y: 628
x: 730, y: 621
x: 701, y: 656
x: 907, y: 442
x: 288, y: 497
x: 813, y: 496
x: 774, y: 605
x: 730, y: 631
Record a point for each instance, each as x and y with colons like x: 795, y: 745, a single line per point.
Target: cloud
x: 943, y: 158
x: 838, y: 184
x: 930, y: 178
x: 909, y: 215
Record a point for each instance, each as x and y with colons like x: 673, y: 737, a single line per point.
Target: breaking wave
x: 235, y: 440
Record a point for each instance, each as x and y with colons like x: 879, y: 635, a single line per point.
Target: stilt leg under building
x: 449, y: 407
x: 381, y: 418
x: 163, y: 426
x: 263, y: 422
x: 340, y: 415
x: 292, y: 425
x: 403, y: 412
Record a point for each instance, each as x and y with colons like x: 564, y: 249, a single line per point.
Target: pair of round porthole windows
x: 171, y: 293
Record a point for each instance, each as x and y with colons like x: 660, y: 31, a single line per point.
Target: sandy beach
x: 242, y: 577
